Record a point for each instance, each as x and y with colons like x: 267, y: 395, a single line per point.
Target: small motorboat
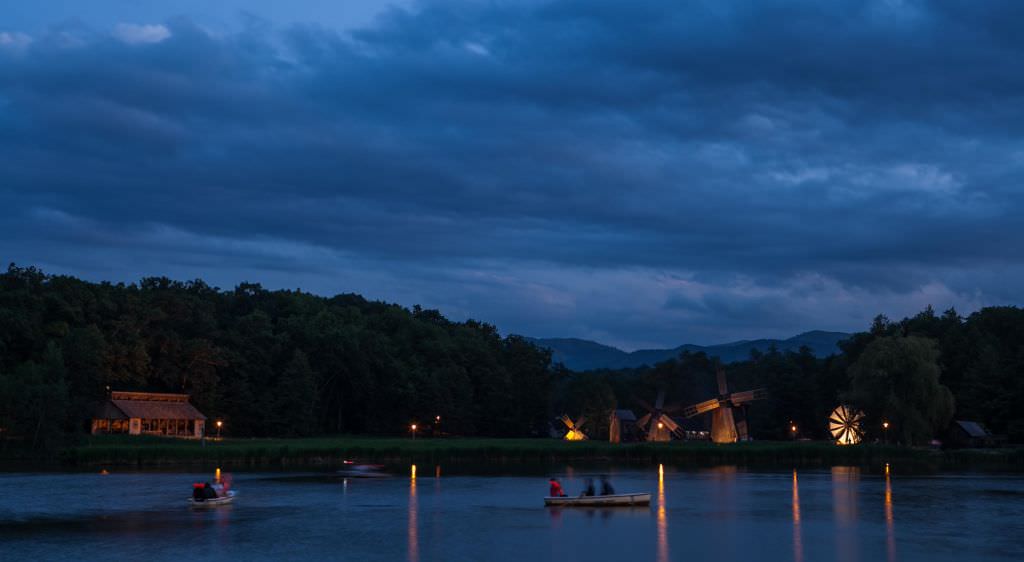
x: 213, y: 502
x: 611, y: 500
x: 353, y: 470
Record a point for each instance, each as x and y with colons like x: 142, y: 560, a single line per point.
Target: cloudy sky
x: 641, y: 173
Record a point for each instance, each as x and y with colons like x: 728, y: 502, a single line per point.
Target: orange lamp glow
x: 661, y: 425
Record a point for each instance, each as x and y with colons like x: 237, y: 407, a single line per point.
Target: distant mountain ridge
x: 584, y: 355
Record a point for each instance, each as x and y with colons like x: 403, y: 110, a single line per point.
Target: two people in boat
x: 588, y: 489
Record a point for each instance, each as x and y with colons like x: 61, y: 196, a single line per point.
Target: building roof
x: 973, y: 429
x: 149, y: 405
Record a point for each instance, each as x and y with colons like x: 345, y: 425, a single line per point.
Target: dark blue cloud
x: 640, y: 173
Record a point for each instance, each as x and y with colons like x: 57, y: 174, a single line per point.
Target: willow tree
x: 897, y: 379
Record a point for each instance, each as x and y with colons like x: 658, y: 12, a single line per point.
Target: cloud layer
x: 640, y: 173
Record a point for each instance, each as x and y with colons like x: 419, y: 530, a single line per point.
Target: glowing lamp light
x: 885, y: 425
x: 661, y: 425
x: 437, y: 419
x: 793, y: 428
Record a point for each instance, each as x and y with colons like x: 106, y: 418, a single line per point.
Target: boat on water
x: 612, y: 500
x: 227, y: 498
x: 353, y: 470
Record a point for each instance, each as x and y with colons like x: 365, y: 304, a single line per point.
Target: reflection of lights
x: 437, y: 471
x: 798, y: 545
x: 216, y: 475
x: 844, y: 504
x: 890, y: 534
x: 414, y: 543
x: 662, y: 517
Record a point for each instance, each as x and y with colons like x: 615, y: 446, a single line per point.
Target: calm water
x: 720, y: 514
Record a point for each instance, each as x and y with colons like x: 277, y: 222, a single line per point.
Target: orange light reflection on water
x: 890, y: 532
x: 414, y: 543
x: 845, y: 483
x: 798, y: 543
x: 662, y: 517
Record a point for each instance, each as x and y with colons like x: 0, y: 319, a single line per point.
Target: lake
x: 721, y: 514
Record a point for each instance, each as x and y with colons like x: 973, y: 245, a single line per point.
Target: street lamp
x: 885, y: 430
x: 792, y: 429
x: 219, y: 425
x: 413, y: 429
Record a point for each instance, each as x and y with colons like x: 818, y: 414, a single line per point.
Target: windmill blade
x: 580, y: 422
x: 701, y: 407
x: 739, y: 398
x: 567, y: 421
x: 673, y: 408
x: 647, y: 406
x: 642, y: 422
x: 723, y: 387
x: 669, y: 423
x: 660, y: 401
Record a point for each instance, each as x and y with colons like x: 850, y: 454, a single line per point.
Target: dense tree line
x: 918, y: 373
x: 270, y: 363
x: 283, y: 363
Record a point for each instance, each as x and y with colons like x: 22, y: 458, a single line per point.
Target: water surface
x: 723, y: 514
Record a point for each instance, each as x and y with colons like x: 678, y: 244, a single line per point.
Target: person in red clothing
x: 556, y: 488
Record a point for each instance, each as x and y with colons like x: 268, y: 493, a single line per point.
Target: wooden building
x: 964, y: 433
x: 149, y: 413
x: 622, y: 426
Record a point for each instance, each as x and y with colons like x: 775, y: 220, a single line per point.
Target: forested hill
x: 266, y: 362
x: 584, y: 355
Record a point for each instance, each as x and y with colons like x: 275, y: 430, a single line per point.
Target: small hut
x: 149, y: 413
x: 622, y: 426
x: 968, y: 434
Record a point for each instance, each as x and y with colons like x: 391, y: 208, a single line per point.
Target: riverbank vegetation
x: 291, y: 364
x: 145, y: 452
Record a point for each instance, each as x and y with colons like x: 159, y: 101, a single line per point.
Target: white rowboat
x: 213, y: 502
x: 614, y: 500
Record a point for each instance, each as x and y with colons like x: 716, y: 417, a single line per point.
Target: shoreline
x: 326, y: 452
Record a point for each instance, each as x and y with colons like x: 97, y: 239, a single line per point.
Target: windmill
x: 574, y: 433
x: 656, y: 424
x: 728, y: 415
x: 844, y: 424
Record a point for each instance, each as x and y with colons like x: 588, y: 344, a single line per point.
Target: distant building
x: 622, y: 427
x: 149, y: 413
x: 968, y: 434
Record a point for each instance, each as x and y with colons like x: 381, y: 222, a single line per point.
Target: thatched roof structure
x: 149, y: 405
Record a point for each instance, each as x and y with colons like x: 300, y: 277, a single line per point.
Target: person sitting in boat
x: 209, y: 492
x: 606, y: 487
x: 588, y: 490
x: 556, y: 488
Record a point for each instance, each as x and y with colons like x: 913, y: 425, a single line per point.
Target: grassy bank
x: 331, y: 451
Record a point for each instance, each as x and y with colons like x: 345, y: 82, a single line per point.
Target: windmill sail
x: 844, y: 425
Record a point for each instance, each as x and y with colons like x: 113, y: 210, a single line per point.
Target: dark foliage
x: 269, y: 363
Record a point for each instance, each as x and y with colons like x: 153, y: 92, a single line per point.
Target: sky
x: 641, y: 173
